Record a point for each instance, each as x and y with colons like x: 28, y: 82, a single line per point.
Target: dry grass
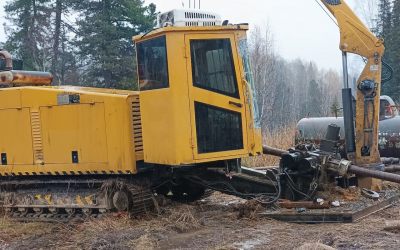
x: 183, y: 219
x: 282, y: 138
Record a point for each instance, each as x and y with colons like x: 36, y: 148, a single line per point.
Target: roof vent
x: 182, y: 18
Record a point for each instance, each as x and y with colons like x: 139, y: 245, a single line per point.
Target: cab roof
x: 171, y: 29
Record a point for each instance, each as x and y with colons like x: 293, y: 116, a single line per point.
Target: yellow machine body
x: 169, y: 113
x: 69, y: 131
x: 76, y: 131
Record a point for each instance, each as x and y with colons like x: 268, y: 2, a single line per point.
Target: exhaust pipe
x: 7, y: 56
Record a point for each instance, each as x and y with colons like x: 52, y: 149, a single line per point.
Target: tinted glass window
x: 212, y: 66
x: 152, y: 64
x: 217, y: 129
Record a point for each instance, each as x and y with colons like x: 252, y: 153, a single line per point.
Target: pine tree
x: 392, y: 54
x: 314, y: 99
x: 104, y: 39
x: 28, y: 33
x: 384, y: 19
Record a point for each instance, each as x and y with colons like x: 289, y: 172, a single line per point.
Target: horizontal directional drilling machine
x: 68, y: 151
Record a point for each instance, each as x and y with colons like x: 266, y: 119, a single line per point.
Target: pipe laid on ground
x: 392, y: 169
x: 390, y: 160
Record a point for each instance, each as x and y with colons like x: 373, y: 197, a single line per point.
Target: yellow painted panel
x: 79, y: 127
x: 10, y: 99
x: 166, y: 114
x: 215, y: 99
x: 16, y: 136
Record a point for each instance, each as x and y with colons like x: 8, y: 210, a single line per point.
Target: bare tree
x: 368, y: 10
x: 288, y: 91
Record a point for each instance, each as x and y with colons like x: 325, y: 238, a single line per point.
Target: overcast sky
x: 301, y: 28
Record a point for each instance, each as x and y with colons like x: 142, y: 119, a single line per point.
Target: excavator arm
x: 356, y: 38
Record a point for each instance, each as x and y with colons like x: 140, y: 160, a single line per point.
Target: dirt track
x: 210, y: 224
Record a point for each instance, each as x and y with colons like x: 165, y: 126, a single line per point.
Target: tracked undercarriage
x: 75, y: 198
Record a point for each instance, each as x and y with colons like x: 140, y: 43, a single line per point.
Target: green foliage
x: 384, y: 20
x: 388, y: 27
x: 28, y: 31
x: 85, y: 43
x: 104, y: 40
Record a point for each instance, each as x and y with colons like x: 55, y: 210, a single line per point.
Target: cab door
x: 217, y: 101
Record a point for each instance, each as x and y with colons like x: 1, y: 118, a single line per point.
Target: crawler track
x: 64, y: 200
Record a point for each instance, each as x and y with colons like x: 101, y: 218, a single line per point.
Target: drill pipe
x: 352, y: 169
x: 267, y: 150
x: 374, y: 174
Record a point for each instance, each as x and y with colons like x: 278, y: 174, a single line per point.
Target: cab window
x: 213, y: 67
x: 152, y: 64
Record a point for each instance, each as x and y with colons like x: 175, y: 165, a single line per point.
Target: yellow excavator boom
x: 356, y: 38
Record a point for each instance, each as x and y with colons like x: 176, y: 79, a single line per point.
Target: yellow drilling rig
x: 69, y: 151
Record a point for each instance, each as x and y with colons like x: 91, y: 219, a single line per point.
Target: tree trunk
x: 56, y: 44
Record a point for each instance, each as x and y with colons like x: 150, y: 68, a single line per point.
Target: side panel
x: 16, y: 136
x: 165, y: 112
x: 74, y: 128
x: 101, y: 129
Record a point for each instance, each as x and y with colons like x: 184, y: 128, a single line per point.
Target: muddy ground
x: 217, y: 222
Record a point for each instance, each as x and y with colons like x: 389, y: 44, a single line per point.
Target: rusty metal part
x: 333, y: 215
x: 19, y: 78
x: 374, y: 174
x: 274, y: 151
x: 302, y: 204
x: 8, y: 58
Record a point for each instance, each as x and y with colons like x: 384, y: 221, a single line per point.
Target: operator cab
x: 196, y: 90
